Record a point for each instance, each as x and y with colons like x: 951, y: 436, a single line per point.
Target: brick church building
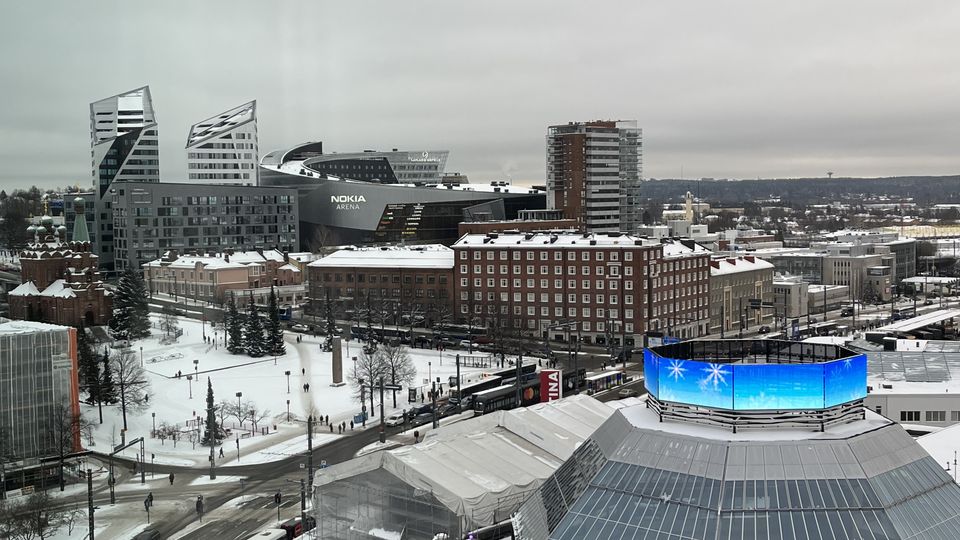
x: 61, y: 279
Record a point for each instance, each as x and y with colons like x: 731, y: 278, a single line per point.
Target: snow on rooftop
x: 25, y: 289
x: 942, y: 446
x: 567, y: 239
x: 722, y: 267
x: 27, y: 327
x: 59, y: 289
x: 420, y: 256
x: 468, y: 466
x: 645, y: 418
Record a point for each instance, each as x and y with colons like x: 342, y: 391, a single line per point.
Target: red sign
x: 550, y: 387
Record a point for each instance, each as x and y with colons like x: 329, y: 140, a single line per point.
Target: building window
x: 936, y: 416
x: 909, y: 416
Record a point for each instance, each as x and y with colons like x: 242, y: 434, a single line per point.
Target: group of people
x: 341, y: 427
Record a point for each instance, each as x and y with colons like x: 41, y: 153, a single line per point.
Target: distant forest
x: 923, y: 189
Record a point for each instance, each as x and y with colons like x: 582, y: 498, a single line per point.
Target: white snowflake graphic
x: 676, y: 369
x: 716, y: 375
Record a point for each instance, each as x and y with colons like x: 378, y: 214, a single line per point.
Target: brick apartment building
x: 391, y: 282
x: 615, y: 287
x: 210, y: 277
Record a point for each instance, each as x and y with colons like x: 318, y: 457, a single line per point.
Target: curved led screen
x: 756, y: 387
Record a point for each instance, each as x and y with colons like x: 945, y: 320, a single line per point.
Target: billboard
x: 550, y: 387
x: 756, y: 387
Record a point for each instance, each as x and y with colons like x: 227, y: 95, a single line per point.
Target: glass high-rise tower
x: 123, y: 147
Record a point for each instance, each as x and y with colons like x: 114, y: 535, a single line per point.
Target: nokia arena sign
x: 347, y: 202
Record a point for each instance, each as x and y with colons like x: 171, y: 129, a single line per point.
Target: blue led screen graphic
x: 650, y: 376
x: 845, y: 380
x: 756, y: 387
x: 700, y: 383
x: 778, y: 386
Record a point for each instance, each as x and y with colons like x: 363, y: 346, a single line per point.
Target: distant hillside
x: 923, y: 189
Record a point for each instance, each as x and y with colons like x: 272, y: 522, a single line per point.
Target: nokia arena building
x: 374, y: 197
x: 751, y: 440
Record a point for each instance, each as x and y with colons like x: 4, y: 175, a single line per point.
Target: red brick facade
x: 616, y: 287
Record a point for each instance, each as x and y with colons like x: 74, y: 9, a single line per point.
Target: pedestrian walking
x: 303, y: 371
x: 171, y: 479
x: 328, y: 420
x: 351, y: 425
x: 331, y: 428
x: 416, y: 437
x: 221, y: 451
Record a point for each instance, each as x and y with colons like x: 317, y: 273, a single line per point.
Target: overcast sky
x: 735, y: 89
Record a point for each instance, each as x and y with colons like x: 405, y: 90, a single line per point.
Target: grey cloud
x: 725, y: 89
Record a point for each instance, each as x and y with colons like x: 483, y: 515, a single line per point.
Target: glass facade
x: 37, y: 374
x: 874, y: 485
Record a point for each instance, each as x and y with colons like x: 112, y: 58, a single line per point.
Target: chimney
x: 748, y: 258
x: 715, y: 264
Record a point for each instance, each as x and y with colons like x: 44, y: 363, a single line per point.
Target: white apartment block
x: 223, y: 149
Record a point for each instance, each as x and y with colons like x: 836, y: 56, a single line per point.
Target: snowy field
x: 262, y: 381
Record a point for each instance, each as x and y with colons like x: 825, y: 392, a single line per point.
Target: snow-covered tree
x: 234, y: 323
x: 213, y: 434
x: 253, y: 333
x: 88, y: 369
x: 275, y: 344
x: 131, y: 312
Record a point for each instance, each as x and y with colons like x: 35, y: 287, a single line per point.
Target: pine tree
x: 108, y: 385
x: 234, y: 327
x: 275, y: 344
x: 88, y: 370
x: 253, y: 333
x: 131, y: 311
x: 211, y: 437
x: 331, y: 321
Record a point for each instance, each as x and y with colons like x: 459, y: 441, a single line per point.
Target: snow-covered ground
x: 262, y: 381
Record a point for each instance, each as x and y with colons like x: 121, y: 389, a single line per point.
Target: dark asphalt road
x: 262, y: 478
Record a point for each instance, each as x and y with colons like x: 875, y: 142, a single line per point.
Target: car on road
x: 814, y: 320
x: 394, y: 419
x: 627, y: 392
x: 422, y: 418
x: 300, y: 328
x: 846, y: 312
x: 928, y: 302
x: 447, y: 410
x: 466, y: 344
x: 763, y: 329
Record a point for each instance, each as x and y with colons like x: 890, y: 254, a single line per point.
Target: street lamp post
x: 190, y: 384
x: 287, y: 373
x: 154, y: 415
x: 239, y: 395
x: 141, y: 356
x: 288, y: 410
x: 196, y: 368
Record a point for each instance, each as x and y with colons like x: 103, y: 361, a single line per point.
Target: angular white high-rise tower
x: 223, y: 149
x: 123, y: 147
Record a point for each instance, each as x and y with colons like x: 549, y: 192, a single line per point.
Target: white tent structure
x: 475, y: 472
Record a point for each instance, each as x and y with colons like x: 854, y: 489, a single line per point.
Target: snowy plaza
x: 176, y: 402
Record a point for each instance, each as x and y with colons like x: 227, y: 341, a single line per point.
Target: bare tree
x: 63, y: 431
x: 368, y: 369
x: 399, y: 366
x: 132, y: 385
x: 257, y: 414
x: 35, y: 517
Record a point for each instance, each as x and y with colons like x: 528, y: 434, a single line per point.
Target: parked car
x: 422, y: 418
x: 466, y: 344
x: 394, y: 419
x: 628, y: 392
x: 300, y: 328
